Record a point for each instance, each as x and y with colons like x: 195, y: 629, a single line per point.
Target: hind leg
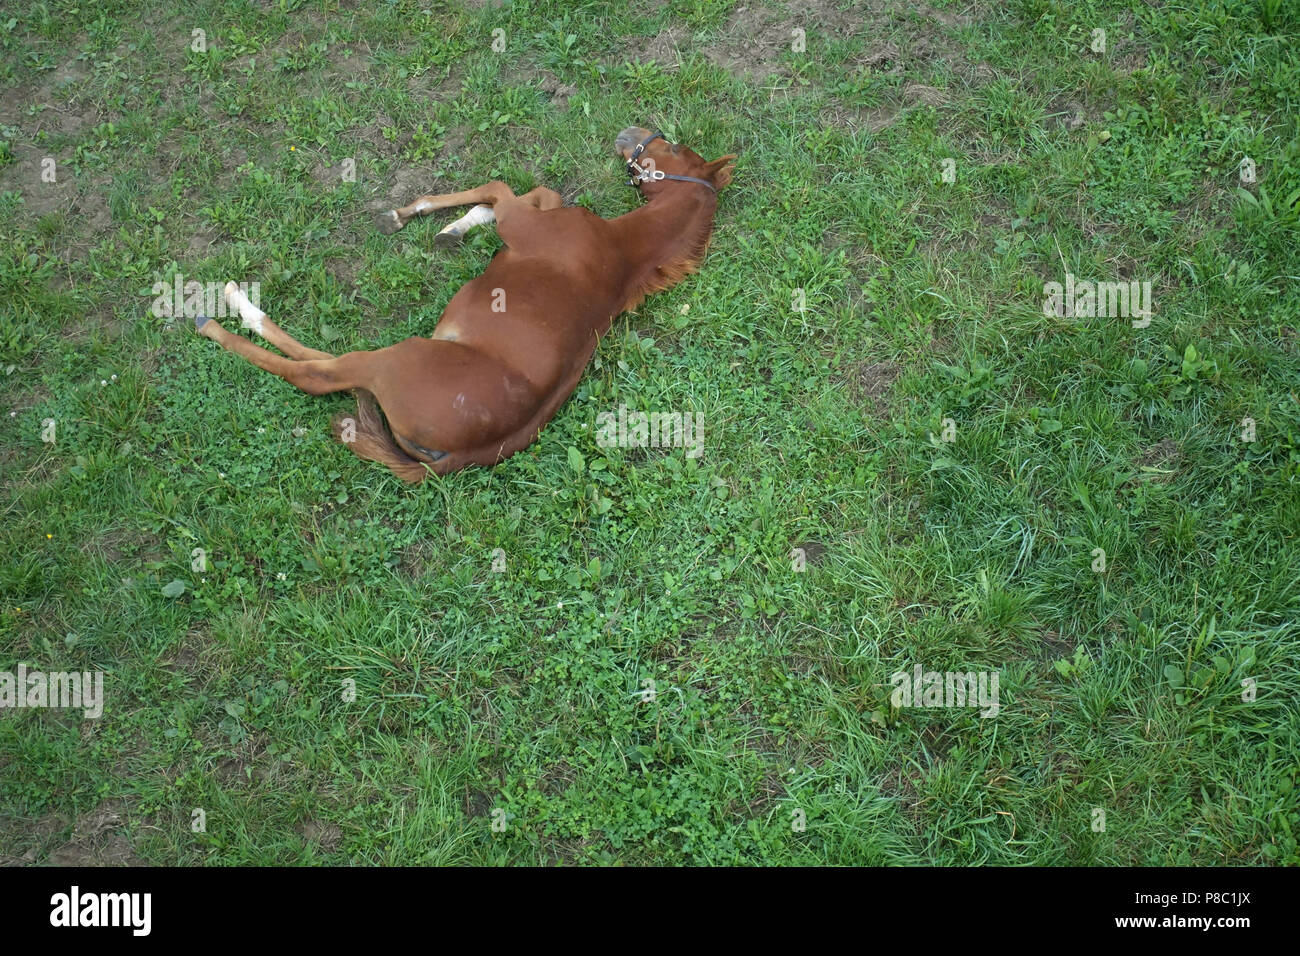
x: 313, y: 376
x: 251, y: 317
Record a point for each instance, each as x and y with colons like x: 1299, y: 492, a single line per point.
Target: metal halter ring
x: 639, y: 174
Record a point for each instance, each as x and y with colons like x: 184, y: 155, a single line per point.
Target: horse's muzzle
x: 627, y: 140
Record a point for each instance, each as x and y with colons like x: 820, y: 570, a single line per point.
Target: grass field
x: 941, y: 458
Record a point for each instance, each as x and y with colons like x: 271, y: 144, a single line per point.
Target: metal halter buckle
x: 639, y: 174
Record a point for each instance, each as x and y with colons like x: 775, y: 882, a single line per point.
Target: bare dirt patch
x: 919, y: 94
x: 751, y: 43
x: 454, y: 141
x: 477, y: 803
x: 812, y: 551
x: 201, y: 241
x: 246, y: 763
x: 407, y: 183
x: 24, y: 841
x: 440, y: 86
x: 1161, y: 453
x: 882, y: 57
x: 872, y: 119
x: 199, y: 656
x: 753, y: 40
x: 945, y: 17
x: 767, y: 794
x: 330, y: 176
x: 665, y: 48
x: 24, y: 176
x: 345, y: 270
x: 1054, y: 645
x: 328, y: 836
x: 1070, y: 114
x: 557, y: 779
x: 97, y: 839
x: 559, y: 92
x: 348, y: 62
x: 869, y: 384
x: 373, y: 133
x: 1159, y: 462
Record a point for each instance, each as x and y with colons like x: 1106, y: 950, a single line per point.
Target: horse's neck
x: 669, y: 231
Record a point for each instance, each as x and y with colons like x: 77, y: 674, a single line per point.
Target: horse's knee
x: 499, y: 191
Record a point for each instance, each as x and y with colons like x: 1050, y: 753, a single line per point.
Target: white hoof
x: 250, y: 316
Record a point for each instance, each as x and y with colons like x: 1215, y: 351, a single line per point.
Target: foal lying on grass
x: 513, y: 343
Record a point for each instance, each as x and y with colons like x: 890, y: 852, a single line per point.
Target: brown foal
x: 513, y: 343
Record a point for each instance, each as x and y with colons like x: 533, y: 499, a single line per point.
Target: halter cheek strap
x: 639, y: 174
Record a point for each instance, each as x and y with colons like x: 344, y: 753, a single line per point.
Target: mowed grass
x: 650, y: 680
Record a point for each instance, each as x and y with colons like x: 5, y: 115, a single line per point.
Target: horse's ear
x: 719, y: 171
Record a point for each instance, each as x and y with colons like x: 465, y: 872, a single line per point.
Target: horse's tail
x: 369, y: 438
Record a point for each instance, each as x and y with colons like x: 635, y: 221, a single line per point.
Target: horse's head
x: 672, y: 159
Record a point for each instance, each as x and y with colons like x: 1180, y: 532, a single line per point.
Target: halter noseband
x: 640, y: 174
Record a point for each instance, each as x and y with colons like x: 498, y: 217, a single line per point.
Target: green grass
x: 520, y: 698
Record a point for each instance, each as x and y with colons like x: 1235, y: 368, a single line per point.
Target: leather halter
x: 640, y: 174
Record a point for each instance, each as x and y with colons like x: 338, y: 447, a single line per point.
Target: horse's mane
x: 687, y: 254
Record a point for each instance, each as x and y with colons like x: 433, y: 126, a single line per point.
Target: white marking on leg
x: 480, y: 215
x: 250, y: 316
